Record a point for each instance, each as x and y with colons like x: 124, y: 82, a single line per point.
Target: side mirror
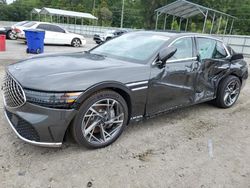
x: 164, y: 55
x: 236, y: 57
x: 167, y: 53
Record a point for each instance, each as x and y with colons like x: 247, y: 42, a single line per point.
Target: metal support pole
x: 180, y: 24
x: 31, y: 16
x: 39, y: 17
x: 82, y: 26
x: 165, y: 21
x: 231, y: 29
x: 156, y: 23
x: 75, y: 25
x: 218, y: 30
x: 211, y: 30
x: 122, y: 13
x: 51, y: 19
x: 172, y: 22
x: 186, y: 25
x: 225, y: 30
x: 205, y: 22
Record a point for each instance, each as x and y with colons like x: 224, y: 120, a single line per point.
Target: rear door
x: 60, y: 36
x: 173, y: 85
x: 49, y: 35
x: 213, y: 58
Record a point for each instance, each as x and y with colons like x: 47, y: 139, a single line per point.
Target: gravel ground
x: 199, y: 146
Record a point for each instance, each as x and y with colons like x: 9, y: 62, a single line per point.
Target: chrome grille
x: 13, y: 93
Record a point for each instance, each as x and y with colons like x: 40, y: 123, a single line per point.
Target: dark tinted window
x: 55, y: 28
x: 43, y: 27
x: 210, y: 49
x: 48, y: 27
x: 184, y: 49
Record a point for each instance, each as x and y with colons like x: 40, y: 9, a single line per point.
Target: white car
x: 54, y: 34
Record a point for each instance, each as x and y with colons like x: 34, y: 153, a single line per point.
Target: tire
x: 11, y: 35
x: 76, y: 42
x: 38, y: 51
x: 108, y: 38
x: 101, y: 120
x: 228, y: 92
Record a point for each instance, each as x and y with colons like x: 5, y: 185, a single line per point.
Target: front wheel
x: 76, y: 42
x: 11, y: 35
x: 101, y: 119
x: 228, y: 92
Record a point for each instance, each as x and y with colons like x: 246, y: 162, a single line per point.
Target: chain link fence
x: 240, y: 44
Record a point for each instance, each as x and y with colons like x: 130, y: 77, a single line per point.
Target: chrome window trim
x: 44, y: 144
x: 184, y: 59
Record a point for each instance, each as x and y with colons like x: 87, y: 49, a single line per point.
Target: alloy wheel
x: 102, y: 121
x: 232, y: 92
x: 76, y: 43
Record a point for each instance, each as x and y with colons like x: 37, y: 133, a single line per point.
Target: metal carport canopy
x: 36, y: 11
x: 185, y: 9
x: 66, y: 13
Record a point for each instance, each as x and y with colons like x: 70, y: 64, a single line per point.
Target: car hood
x: 74, y: 72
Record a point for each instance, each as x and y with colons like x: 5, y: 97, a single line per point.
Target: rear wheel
x: 76, y: 42
x: 228, y: 92
x: 101, y: 119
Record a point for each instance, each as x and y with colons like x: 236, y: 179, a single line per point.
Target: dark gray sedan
x: 96, y: 94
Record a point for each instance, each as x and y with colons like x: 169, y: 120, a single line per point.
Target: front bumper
x: 39, y: 125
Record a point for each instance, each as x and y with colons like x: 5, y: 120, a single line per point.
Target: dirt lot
x: 200, y: 146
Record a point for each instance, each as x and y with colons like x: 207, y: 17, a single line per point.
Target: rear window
x: 29, y: 24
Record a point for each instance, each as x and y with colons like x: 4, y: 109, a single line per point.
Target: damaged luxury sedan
x: 94, y: 95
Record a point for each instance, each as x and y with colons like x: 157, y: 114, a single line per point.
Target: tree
x: 3, y: 2
x: 104, y: 14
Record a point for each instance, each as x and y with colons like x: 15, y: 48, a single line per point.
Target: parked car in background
x: 54, y: 34
x: 100, y: 38
x: 95, y: 94
x: 9, y: 31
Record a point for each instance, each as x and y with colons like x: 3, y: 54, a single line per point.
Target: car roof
x: 175, y: 35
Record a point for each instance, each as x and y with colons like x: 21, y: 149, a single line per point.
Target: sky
x: 9, y: 1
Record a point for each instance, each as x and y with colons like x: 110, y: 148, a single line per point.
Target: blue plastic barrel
x: 35, y: 41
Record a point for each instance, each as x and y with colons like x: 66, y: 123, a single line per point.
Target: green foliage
x: 175, y: 25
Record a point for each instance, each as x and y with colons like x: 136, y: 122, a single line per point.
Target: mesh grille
x: 13, y: 93
x: 24, y: 128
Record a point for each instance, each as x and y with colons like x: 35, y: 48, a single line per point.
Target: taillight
x: 17, y: 30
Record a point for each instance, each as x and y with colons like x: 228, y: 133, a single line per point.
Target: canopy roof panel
x: 67, y: 13
x: 36, y: 10
x: 186, y: 9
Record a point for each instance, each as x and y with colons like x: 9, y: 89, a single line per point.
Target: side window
x: 210, y: 49
x: 184, y: 49
x: 43, y: 27
x: 55, y: 28
x: 220, y: 51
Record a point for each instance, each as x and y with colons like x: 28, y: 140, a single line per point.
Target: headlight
x: 52, y: 100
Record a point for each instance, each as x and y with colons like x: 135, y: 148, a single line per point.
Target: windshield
x: 132, y: 46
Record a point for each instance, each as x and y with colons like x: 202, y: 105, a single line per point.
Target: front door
x: 173, y: 85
